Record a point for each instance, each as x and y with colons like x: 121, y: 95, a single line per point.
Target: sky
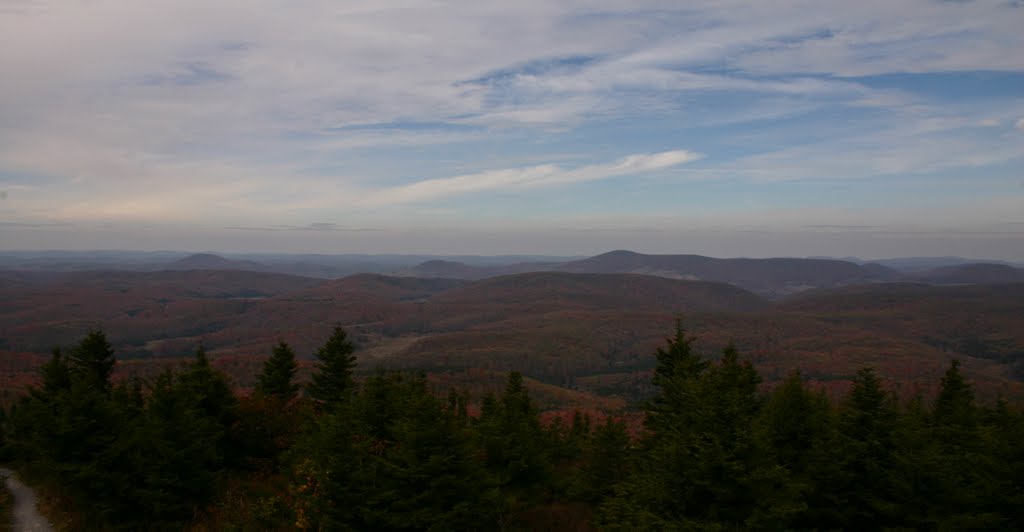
x: 784, y: 128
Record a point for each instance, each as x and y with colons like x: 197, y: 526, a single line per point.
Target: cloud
x: 319, y: 227
x: 901, y: 151
x: 33, y: 225
x: 546, y: 175
x: 194, y: 110
x: 989, y: 122
x: 218, y: 73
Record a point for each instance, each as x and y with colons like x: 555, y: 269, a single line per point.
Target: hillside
x: 602, y: 292
x: 447, y: 269
x: 589, y: 332
x: 975, y: 273
x: 40, y: 311
x: 772, y: 278
x: 209, y: 261
x: 378, y: 308
x: 920, y: 264
x: 766, y: 277
x: 982, y: 324
x: 459, y: 270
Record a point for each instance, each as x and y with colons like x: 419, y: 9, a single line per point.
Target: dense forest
x: 387, y: 451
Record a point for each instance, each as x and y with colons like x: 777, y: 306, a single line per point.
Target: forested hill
x: 588, y: 333
x: 391, y: 451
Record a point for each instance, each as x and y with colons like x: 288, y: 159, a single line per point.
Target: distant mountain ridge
x: 765, y: 277
x: 768, y: 277
x: 774, y: 278
x: 209, y: 261
x: 982, y: 273
x: 919, y: 264
x: 459, y: 270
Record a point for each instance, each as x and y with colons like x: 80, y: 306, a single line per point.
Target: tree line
x: 386, y: 452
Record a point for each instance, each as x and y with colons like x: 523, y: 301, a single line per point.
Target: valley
x: 588, y: 327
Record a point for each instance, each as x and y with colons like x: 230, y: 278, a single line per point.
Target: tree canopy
x: 383, y: 451
x: 277, y: 379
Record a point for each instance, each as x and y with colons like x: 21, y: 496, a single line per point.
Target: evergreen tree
x: 214, y: 399
x: 961, y: 492
x: 163, y: 466
x: 656, y: 494
x: 725, y: 450
x: 795, y: 421
x: 697, y: 467
x: 93, y: 360
x: 954, y: 406
x: 332, y: 375
x: 916, y: 458
x: 392, y: 459
x: 389, y: 454
x: 514, y: 441
x: 66, y: 424
x: 210, y: 388
x: 606, y: 464
x: 55, y: 375
x: 676, y: 374
x: 862, y: 491
x: 275, y: 380
x: 1002, y: 434
x: 71, y: 433
x: 793, y: 433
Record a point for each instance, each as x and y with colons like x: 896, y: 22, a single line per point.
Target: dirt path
x: 26, y: 517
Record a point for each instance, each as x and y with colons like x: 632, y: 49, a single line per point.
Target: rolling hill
x: 766, y: 277
x: 975, y: 273
x: 209, y: 261
x: 589, y: 332
x: 774, y: 278
x: 459, y: 270
x: 41, y: 311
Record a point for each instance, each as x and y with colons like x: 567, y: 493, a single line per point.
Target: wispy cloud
x: 547, y: 175
x: 191, y: 110
x: 320, y: 227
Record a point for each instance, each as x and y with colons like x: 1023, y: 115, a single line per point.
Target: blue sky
x: 782, y: 128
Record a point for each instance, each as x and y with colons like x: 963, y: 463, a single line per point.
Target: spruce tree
x: 515, y: 445
x: 93, y: 360
x: 607, y: 462
x: 210, y: 388
x: 393, y: 458
x: 795, y: 420
x: 696, y: 468
x: 55, y: 375
x: 792, y: 434
x: 162, y: 468
x: 332, y: 375
x: 676, y: 375
x: 863, y: 489
x: 275, y: 380
x: 955, y: 403
x: 961, y: 492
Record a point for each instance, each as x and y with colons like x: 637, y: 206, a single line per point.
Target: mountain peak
x: 209, y: 261
x: 619, y: 253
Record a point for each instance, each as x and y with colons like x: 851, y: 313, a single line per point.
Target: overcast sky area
x: 782, y: 128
